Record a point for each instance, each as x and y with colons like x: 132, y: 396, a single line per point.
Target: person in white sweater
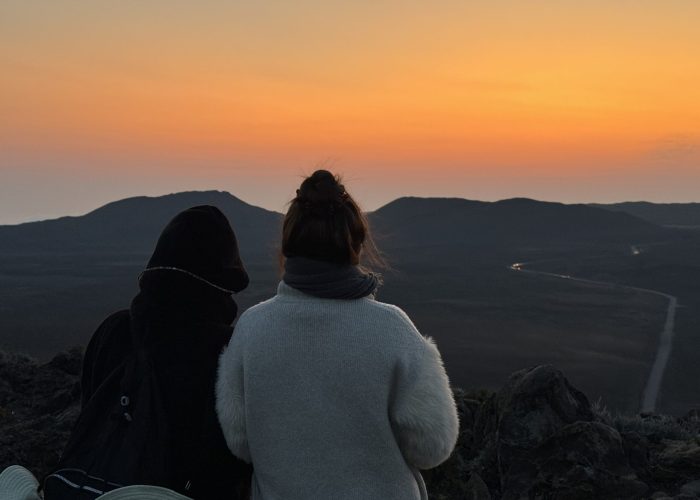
x: 328, y: 393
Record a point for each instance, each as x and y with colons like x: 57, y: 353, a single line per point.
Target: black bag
x: 120, y: 437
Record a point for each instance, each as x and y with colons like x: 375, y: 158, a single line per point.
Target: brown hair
x: 325, y: 223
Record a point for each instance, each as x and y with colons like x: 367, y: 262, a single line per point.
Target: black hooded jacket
x: 183, y: 323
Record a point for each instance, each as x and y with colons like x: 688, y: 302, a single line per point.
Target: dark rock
x: 538, y: 438
x: 483, y: 454
x: 692, y: 415
x: 58, y: 401
x: 636, y: 449
x: 449, y: 479
x: 534, y: 405
x: 477, y: 489
x: 691, y: 488
x: 16, y: 371
x: 678, y: 459
x: 468, y: 411
x: 70, y: 362
x: 39, y: 407
x: 6, y: 391
x: 486, y: 422
x: 584, y: 460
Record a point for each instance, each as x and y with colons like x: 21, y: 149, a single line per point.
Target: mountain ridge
x: 132, y: 224
x: 510, y: 221
x: 667, y: 214
x: 686, y: 213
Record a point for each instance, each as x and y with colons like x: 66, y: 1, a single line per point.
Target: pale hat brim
x: 142, y: 492
x: 17, y: 483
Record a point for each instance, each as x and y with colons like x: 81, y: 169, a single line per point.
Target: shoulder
x: 391, y: 318
x: 392, y: 313
x: 257, y: 312
x: 108, y: 345
x: 253, y: 317
x: 115, y: 319
x: 110, y: 329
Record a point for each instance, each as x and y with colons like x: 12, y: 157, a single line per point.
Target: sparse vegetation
x: 653, y: 426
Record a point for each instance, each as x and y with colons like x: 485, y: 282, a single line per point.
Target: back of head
x: 325, y: 223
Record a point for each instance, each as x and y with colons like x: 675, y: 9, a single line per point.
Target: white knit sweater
x: 334, y: 399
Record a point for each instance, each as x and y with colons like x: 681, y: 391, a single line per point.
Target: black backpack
x: 120, y: 438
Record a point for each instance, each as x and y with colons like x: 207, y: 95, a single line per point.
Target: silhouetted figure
x: 326, y: 391
x: 149, y: 373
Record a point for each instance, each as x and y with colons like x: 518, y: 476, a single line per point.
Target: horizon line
x: 220, y: 191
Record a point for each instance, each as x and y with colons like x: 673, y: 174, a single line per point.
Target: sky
x: 594, y: 101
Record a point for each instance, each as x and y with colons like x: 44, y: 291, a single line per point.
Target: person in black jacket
x: 182, y: 318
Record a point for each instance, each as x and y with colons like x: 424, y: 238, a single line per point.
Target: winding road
x: 656, y: 375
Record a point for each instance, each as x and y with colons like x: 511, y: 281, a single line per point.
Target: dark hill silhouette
x: 410, y: 222
x: 665, y: 214
x: 133, y: 224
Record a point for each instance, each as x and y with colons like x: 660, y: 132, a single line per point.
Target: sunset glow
x: 569, y: 101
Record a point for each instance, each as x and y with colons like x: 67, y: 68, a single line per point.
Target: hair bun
x: 321, y: 194
x: 325, y: 223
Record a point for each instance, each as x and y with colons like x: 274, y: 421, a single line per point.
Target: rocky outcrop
x: 536, y: 438
x: 535, y: 406
x: 582, y: 460
x: 38, y: 405
x: 539, y: 438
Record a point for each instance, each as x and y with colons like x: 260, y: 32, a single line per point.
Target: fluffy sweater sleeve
x: 422, y: 411
x: 230, y: 400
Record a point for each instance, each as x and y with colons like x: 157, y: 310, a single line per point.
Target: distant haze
x: 570, y: 101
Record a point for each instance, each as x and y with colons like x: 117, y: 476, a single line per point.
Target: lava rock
x: 679, y: 459
x: 477, y: 489
x: 691, y: 488
x: 636, y: 449
x: 583, y: 460
x: 70, y: 362
x: 534, y: 405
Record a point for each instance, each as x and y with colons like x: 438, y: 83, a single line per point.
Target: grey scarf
x: 328, y: 280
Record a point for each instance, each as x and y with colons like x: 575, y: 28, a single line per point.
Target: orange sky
x: 560, y: 100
